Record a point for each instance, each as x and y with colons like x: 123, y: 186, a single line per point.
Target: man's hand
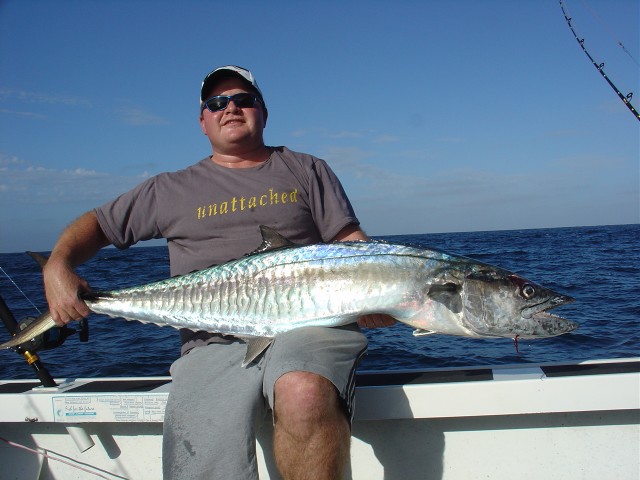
x: 376, y: 320
x: 79, y: 242
x: 63, y: 288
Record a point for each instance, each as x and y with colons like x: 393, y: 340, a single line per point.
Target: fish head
x: 498, y: 303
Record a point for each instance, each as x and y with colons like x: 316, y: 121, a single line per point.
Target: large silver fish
x: 282, y: 286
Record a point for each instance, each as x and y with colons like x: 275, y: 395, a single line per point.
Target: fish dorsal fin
x: 41, y: 259
x: 255, y: 347
x: 271, y: 240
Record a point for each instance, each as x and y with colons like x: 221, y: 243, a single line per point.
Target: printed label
x: 109, y: 408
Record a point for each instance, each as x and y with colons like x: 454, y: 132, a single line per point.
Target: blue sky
x: 438, y: 116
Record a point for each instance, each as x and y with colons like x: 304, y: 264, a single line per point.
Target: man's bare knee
x: 305, y: 397
x: 312, y: 434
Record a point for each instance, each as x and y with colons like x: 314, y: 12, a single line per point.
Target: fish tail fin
x: 43, y: 323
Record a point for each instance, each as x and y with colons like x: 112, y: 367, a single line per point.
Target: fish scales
x: 266, y: 294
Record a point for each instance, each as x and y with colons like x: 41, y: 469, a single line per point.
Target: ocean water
x: 598, y: 266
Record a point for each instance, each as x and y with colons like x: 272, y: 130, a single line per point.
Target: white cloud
x: 16, y: 113
x: 345, y: 134
x: 139, y: 117
x: 321, y: 132
x: 26, y: 184
x: 386, y: 138
x: 6, y: 161
x: 7, y: 94
x: 450, y: 140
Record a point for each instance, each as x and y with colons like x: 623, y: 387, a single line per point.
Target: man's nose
x: 231, y: 106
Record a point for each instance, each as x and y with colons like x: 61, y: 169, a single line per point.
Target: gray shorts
x: 215, y: 406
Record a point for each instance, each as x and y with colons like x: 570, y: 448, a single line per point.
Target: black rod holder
x: 31, y: 357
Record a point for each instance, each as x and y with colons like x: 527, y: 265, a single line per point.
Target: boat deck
x: 530, y: 421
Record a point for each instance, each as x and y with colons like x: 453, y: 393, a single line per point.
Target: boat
x: 534, y: 421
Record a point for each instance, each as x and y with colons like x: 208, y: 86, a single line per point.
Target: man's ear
x: 202, y: 125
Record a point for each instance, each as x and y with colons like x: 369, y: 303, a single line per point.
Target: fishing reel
x: 52, y: 338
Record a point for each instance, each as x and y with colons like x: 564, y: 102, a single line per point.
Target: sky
x: 437, y: 116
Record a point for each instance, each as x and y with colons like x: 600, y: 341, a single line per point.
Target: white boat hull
x: 526, y: 421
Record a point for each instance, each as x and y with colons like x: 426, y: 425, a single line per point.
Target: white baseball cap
x: 226, y: 71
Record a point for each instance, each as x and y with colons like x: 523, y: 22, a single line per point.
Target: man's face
x: 233, y: 130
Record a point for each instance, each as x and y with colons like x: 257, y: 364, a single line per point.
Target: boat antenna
x: 626, y: 99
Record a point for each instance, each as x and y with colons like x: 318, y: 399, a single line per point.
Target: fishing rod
x: 52, y: 338
x: 30, y: 356
x: 44, y: 341
x: 626, y: 99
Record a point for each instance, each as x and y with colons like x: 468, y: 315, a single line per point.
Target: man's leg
x: 312, y: 434
x: 309, y: 382
x: 212, y: 415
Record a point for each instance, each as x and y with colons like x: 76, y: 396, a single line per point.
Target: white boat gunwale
x: 555, y: 420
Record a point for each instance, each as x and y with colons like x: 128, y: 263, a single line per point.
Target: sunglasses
x: 220, y: 102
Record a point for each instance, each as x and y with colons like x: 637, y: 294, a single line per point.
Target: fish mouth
x: 559, y: 324
x: 550, y: 323
x: 542, y: 309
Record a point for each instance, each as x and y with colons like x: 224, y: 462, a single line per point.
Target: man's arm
x: 375, y: 320
x: 349, y: 233
x: 79, y: 242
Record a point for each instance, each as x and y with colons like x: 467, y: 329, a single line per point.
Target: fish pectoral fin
x: 255, y: 347
x: 448, y: 294
x: 419, y: 332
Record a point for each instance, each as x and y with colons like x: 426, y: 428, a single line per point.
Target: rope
x: 50, y: 457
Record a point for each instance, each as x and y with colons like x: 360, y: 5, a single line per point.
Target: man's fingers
x: 376, y: 321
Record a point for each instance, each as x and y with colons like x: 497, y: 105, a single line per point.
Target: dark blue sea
x: 598, y: 266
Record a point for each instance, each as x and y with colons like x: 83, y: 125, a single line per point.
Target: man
x: 209, y: 213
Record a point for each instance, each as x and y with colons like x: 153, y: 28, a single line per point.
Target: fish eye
x: 528, y: 291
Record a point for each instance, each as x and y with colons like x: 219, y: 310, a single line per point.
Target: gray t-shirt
x: 210, y: 214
